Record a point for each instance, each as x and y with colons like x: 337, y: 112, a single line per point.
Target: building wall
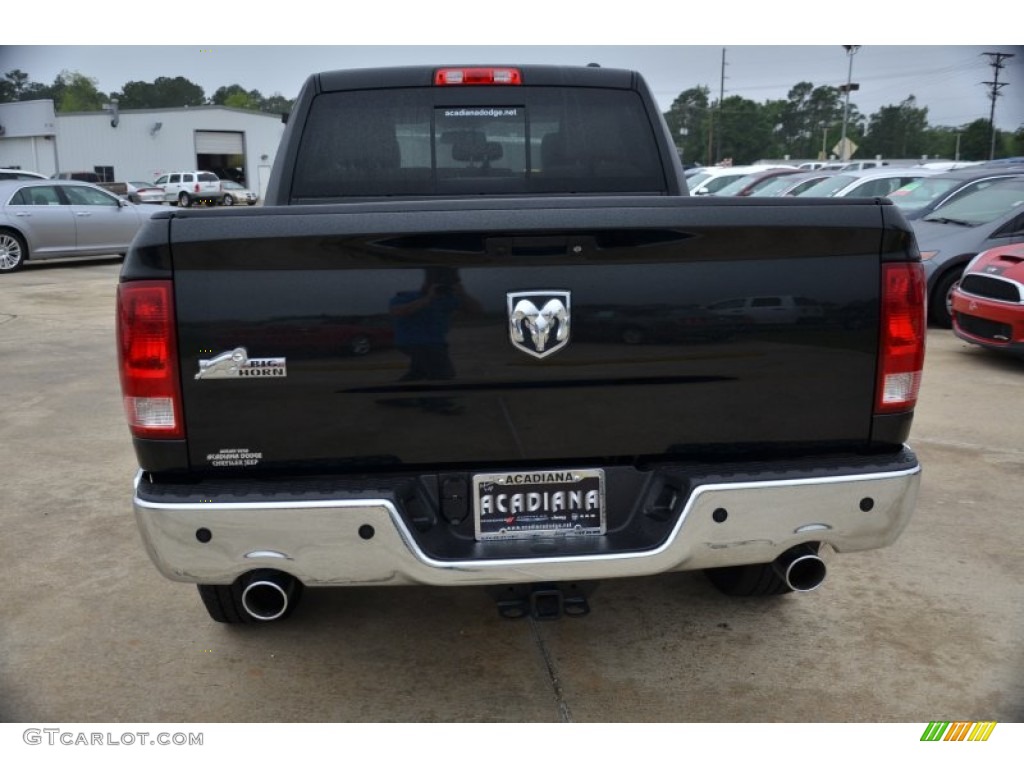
x: 135, y: 148
x: 27, y: 141
x: 138, y: 150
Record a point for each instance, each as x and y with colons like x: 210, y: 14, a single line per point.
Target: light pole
x: 844, y: 154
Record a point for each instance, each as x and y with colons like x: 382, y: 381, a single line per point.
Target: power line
x: 996, y: 61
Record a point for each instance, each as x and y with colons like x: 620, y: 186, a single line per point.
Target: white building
x: 140, y: 144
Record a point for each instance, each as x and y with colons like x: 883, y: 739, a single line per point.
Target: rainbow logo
x: 960, y: 731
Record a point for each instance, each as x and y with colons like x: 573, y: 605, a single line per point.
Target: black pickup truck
x: 480, y: 335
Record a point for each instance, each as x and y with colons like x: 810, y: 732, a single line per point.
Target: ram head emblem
x: 538, y: 321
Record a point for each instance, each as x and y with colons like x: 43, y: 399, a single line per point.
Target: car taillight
x: 196, y: 188
x: 478, y: 76
x: 148, y: 358
x: 902, y: 342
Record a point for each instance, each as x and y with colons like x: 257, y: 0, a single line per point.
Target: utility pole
x: 996, y: 62
x: 844, y: 153
x: 721, y: 96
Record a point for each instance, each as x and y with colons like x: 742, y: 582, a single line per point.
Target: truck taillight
x: 148, y: 358
x: 902, y: 342
x: 478, y: 76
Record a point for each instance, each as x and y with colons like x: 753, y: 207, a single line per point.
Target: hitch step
x: 543, y: 602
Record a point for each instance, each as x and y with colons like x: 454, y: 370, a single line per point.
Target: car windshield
x: 982, y: 206
x: 697, y: 179
x: 920, y: 192
x: 207, y: 177
x: 231, y: 185
x: 736, y: 186
x: 142, y: 184
x: 772, y: 186
x: 828, y: 187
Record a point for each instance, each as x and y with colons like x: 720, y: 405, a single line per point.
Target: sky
x: 674, y: 50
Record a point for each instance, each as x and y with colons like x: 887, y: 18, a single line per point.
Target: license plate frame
x: 539, y: 504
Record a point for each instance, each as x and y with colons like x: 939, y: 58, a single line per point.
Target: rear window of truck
x: 417, y: 142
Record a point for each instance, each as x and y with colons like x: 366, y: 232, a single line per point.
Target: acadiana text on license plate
x: 544, y: 503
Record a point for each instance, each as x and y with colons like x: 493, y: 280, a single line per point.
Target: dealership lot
x: 927, y: 629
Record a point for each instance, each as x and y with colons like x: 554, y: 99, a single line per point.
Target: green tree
x: 897, y: 131
x: 688, y: 120
x: 236, y: 96
x: 162, y: 93
x: 975, y: 140
x: 13, y: 85
x: 745, y: 131
x: 1016, y: 143
x: 74, y: 92
x: 17, y: 87
x: 942, y: 142
x: 277, y: 104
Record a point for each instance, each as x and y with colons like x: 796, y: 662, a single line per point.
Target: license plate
x: 517, y: 505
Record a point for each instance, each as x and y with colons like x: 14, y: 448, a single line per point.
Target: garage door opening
x: 222, y: 153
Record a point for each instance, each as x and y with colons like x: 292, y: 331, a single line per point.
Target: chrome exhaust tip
x: 801, y: 568
x: 266, y: 595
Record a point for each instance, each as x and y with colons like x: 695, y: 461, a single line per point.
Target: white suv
x: 187, y: 187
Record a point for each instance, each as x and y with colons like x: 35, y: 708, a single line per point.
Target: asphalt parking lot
x: 928, y: 629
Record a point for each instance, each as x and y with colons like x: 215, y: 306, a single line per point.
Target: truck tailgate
x: 692, y: 326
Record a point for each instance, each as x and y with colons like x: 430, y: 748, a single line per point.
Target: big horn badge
x: 539, y: 321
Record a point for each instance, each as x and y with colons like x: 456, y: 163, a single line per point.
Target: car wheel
x: 360, y: 345
x: 13, y: 252
x: 227, y: 200
x: 940, y: 305
x: 184, y: 201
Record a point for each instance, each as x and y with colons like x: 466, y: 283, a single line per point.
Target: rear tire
x: 759, y: 580
x: 13, y: 252
x: 940, y: 303
x: 227, y: 200
x: 184, y: 201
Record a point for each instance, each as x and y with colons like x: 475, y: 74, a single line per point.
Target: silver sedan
x: 52, y: 219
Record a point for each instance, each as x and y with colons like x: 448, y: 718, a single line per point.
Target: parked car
x: 144, y: 192
x: 988, y: 303
x: 873, y: 182
x: 710, y: 180
x: 863, y: 165
x: 184, y: 188
x: 746, y: 185
x: 17, y: 173
x: 89, y: 176
x: 769, y: 310
x: 791, y: 184
x: 922, y: 196
x: 232, y: 192
x: 45, y: 219
x: 953, y: 235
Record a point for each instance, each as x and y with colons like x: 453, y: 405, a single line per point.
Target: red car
x: 988, y: 304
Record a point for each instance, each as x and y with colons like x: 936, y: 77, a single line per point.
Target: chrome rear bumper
x: 367, y: 542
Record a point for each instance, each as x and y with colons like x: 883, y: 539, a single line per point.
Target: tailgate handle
x: 557, y: 245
